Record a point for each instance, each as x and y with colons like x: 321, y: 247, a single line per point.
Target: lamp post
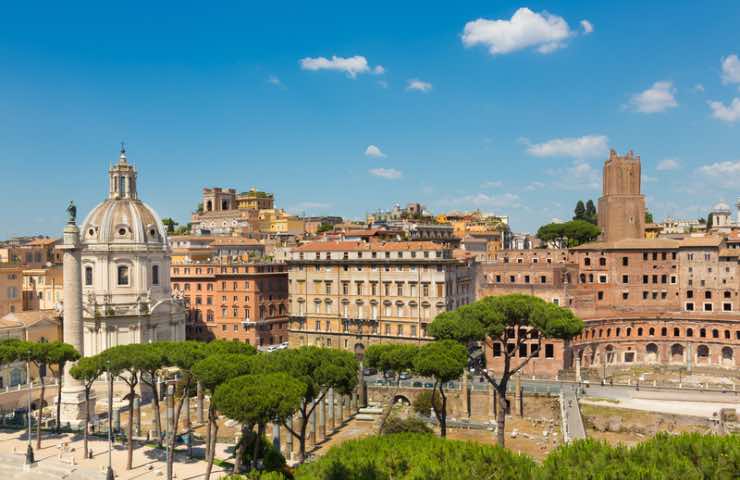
x: 29, y: 449
x: 109, y: 473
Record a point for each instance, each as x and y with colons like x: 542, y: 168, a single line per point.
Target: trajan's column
x: 73, y: 391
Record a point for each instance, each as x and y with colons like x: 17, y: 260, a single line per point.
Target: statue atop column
x: 71, y: 213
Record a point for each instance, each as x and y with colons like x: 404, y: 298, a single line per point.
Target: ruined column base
x: 72, y: 412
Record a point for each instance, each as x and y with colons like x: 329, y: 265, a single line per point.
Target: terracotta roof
x: 191, y: 237
x: 234, y: 241
x: 710, y: 241
x: 41, y: 242
x: 366, y: 247
x: 369, y: 232
x: 27, y: 319
x: 630, y: 244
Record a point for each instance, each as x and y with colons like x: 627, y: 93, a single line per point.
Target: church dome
x: 122, y: 218
x: 721, y: 207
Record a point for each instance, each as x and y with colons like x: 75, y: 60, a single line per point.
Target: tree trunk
x: 501, y: 415
x: 130, y: 459
x: 176, y: 420
x: 260, y: 431
x: 41, y: 409
x: 210, y: 441
x: 87, y: 421
x: 241, y: 445
x: 157, y: 413
x: 59, y: 399
x: 302, y: 437
x: 442, y: 413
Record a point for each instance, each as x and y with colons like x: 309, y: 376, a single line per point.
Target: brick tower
x: 622, y: 206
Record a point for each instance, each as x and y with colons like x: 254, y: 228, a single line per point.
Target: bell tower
x: 122, y: 178
x: 622, y: 205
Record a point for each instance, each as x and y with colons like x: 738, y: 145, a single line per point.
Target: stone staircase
x: 371, y: 413
x: 12, y: 468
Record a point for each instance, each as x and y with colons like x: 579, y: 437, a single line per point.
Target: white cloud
x: 658, y: 98
x: 577, y: 176
x: 311, y: 206
x: 699, y: 88
x: 374, y: 151
x: 543, y: 31
x: 492, y: 184
x: 588, y: 146
x: 668, y: 164
x: 352, y: 66
x: 418, y: 85
x: 387, y: 173
x: 534, y: 186
x: 729, y: 113
x: 508, y: 200
x: 731, y: 69
x: 587, y: 26
x: 274, y: 80
x: 726, y: 173
x: 383, y: 83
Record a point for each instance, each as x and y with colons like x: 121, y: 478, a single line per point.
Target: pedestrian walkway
x: 573, y: 428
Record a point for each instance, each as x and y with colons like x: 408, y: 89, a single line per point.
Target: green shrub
x: 396, y: 424
x: 416, y: 456
x: 412, y: 456
x: 423, y: 402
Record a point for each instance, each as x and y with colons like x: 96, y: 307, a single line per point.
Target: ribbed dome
x: 123, y: 221
x: 122, y: 218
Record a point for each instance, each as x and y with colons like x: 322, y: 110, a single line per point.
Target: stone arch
x: 209, y: 206
x: 677, y: 353
x: 401, y: 398
x: 702, y: 355
x: 727, y: 358
x: 610, y: 355
x: 651, y: 353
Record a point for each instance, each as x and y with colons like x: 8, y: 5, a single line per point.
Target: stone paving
x: 148, y: 462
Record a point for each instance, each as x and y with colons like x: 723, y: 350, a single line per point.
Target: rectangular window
x: 625, y: 261
x: 707, y: 307
x: 549, y: 351
x: 727, y: 307
x: 625, y: 279
x: 155, y: 274
x: 690, y: 306
x: 122, y: 275
x: 88, y: 276
x: 496, y: 349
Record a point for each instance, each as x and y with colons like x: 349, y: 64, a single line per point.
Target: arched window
x: 123, y: 275
x: 209, y: 316
x: 689, y: 332
x: 88, y: 276
x: 155, y: 274
x: 651, y: 331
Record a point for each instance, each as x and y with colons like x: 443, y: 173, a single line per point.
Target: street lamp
x: 29, y: 450
x: 109, y: 473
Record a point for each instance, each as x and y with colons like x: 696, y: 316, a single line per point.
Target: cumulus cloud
x: 534, y: 186
x: 274, y: 80
x: 543, y: 31
x: 577, y: 176
x: 387, y: 173
x: 352, y: 66
x: 667, y: 164
x: 311, y: 206
x: 726, y: 113
x: 374, y: 151
x: 658, y: 98
x: 492, y: 184
x: 727, y: 174
x: 418, y: 85
x: 587, y: 26
x: 731, y: 69
x: 483, y: 200
x: 698, y: 88
x: 588, y: 146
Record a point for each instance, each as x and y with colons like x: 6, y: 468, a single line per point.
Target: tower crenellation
x: 622, y: 205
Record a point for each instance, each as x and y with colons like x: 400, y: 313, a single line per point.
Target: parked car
x: 417, y: 385
x: 369, y: 371
x: 379, y: 382
x: 428, y: 385
x: 389, y: 374
x: 404, y: 376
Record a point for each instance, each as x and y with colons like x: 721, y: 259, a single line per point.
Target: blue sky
x: 471, y: 104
